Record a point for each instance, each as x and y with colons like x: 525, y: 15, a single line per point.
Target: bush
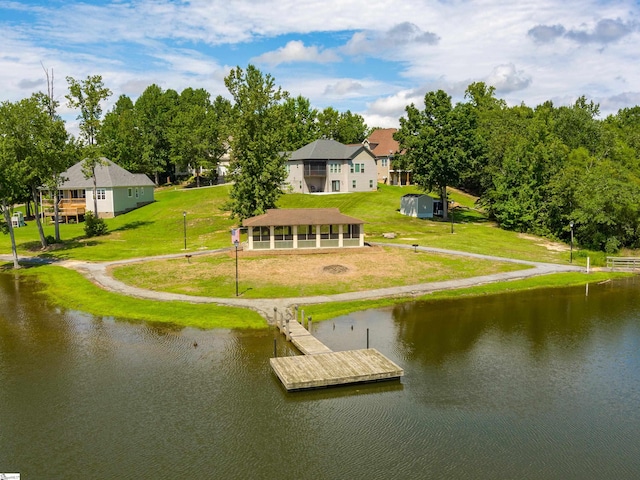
x: 94, y: 226
x: 612, y: 245
x: 50, y: 239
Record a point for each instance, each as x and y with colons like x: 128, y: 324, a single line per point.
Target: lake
x: 541, y: 384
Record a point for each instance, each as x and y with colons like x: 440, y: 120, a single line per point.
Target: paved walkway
x: 98, y: 274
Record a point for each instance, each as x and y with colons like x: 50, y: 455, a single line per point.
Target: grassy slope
x: 157, y: 229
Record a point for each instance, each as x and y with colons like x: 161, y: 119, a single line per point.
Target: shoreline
x: 97, y: 274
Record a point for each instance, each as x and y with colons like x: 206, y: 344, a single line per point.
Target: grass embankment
x: 158, y: 229
x: 69, y: 289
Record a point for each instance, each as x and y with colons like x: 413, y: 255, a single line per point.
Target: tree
x: 87, y: 95
x: 257, y: 164
x: 10, y: 173
x: 39, y: 145
x: 120, y: 138
x: 299, y: 123
x: 155, y: 110
x: 481, y: 109
x: 198, y: 135
x: 60, y: 160
x: 434, y: 143
x: 351, y: 128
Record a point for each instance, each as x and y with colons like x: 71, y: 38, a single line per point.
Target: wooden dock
x: 322, y: 367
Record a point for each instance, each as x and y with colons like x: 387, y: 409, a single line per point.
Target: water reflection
x: 542, y: 384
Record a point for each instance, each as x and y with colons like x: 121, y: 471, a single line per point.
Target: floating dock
x: 321, y: 367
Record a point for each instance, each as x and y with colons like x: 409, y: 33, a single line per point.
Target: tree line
x: 163, y: 132
x: 543, y: 170
x: 535, y: 170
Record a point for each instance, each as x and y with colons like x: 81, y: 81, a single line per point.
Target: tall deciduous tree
x: 120, y: 138
x: 198, y: 135
x: 11, y: 173
x: 155, y: 110
x: 257, y: 164
x: 299, y: 123
x: 87, y: 95
x: 435, y: 143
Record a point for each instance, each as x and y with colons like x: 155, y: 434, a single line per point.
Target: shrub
x: 94, y: 226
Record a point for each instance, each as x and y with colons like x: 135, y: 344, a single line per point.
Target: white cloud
x: 295, y: 51
x: 507, y: 79
x: 531, y: 52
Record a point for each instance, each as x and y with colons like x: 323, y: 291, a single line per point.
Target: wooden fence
x: 627, y: 263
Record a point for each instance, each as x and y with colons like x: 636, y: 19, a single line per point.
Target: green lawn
x: 71, y: 290
x: 158, y: 229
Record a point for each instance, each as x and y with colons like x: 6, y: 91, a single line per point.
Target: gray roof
x: 107, y: 175
x: 301, y: 216
x: 327, y: 150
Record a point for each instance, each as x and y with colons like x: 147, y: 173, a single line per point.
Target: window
x: 260, y: 234
x: 384, y: 162
x: 357, y: 168
x: 350, y: 231
x: 362, y: 168
x: 353, y: 184
x: 282, y: 233
x: 129, y: 192
x: 287, y: 168
x: 306, y: 232
x: 101, y: 194
x: 329, y: 231
x: 351, y: 166
x: 137, y: 192
x: 142, y: 191
x: 370, y: 183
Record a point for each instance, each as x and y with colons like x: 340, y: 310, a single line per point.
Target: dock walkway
x: 319, y: 366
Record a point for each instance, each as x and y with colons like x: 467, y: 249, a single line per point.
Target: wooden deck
x: 322, y: 367
x: 335, y: 368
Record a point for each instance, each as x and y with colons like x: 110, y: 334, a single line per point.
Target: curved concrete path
x: 98, y: 274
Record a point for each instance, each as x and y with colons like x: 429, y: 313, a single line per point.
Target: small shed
x: 417, y: 205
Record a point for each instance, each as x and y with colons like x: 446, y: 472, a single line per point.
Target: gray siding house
x: 118, y: 190
x: 330, y: 166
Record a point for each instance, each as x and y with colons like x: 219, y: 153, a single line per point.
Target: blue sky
x: 372, y: 57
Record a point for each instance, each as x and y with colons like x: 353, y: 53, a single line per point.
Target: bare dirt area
x: 548, y: 244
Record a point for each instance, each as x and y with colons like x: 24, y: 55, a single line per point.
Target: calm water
x: 524, y: 386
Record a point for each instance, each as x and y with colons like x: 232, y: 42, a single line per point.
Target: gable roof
x: 326, y: 150
x: 301, y: 216
x: 381, y: 142
x: 107, y: 175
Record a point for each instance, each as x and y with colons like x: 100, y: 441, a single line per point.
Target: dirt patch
x: 335, y: 269
x: 548, y: 244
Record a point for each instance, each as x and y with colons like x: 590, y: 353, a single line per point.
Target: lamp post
x: 451, y: 213
x: 236, y: 245
x: 571, y: 254
x: 184, y: 217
